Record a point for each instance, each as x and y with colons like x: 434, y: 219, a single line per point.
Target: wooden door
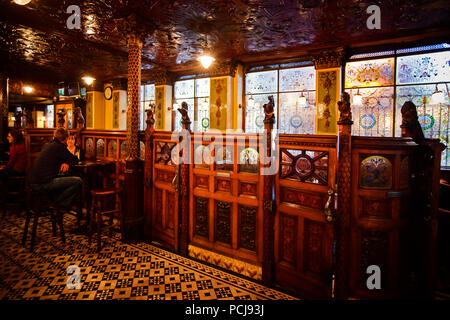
x: 303, y: 234
x: 165, y: 204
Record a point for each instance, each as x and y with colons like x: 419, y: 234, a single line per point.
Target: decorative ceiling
x: 35, y: 37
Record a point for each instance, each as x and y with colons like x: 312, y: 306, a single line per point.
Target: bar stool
x: 41, y: 204
x: 14, y: 194
x: 101, y: 207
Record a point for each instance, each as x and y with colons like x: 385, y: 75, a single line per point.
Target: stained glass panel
x: 374, y: 116
x: 190, y: 102
x: 184, y: 89
x: 423, y: 68
x: 434, y: 119
x: 261, y: 82
x: 100, y: 147
x: 295, y: 118
x: 202, y: 87
x: 254, y: 115
x: 297, y: 79
x: 201, y: 124
x: 369, y: 73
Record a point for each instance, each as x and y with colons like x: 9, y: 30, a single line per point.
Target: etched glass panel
x: 374, y: 116
x: 254, y: 116
x: 202, y: 87
x: 184, y: 89
x: 433, y: 118
x: 423, y: 68
x: 298, y: 79
x: 369, y: 73
x: 294, y: 118
x: 261, y: 82
x: 190, y: 103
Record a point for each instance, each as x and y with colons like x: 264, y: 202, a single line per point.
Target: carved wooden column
x: 148, y: 172
x: 344, y: 193
x: 268, y: 203
x: 133, y: 214
x: 184, y: 178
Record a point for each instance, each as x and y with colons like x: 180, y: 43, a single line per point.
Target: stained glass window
x: 294, y: 114
x: 147, y: 97
x: 369, y: 73
x: 195, y: 92
x: 423, y: 68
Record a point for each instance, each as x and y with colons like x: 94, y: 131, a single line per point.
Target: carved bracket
x: 328, y: 59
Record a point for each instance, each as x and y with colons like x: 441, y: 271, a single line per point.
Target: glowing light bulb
x: 28, y: 89
x: 251, y: 102
x: 22, y: 2
x: 302, y: 100
x: 206, y: 60
x: 357, y: 99
x: 88, y: 80
x: 437, y: 97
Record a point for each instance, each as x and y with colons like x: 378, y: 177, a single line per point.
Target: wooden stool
x: 41, y: 204
x: 99, y: 197
x: 14, y: 194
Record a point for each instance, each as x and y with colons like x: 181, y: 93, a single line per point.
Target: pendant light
x: 251, y: 102
x: 438, y: 96
x: 206, y: 59
x: 302, y: 100
x: 357, y: 98
x: 22, y: 2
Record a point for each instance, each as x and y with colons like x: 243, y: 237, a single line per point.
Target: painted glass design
x: 424, y: 68
x: 224, y: 158
x: 295, y: 118
x: 248, y: 160
x: 375, y: 116
x: 433, y: 118
x: 101, y: 147
x: 141, y: 150
x: 297, y: 79
x: 375, y: 172
x: 254, y: 116
x: 123, y: 149
x: 369, y: 73
x: 147, y: 97
x: 261, y: 82
x: 112, y: 148
x: 184, y: 89
x: 202, y: 157
x: 190, y: 103
x: 89, y: 147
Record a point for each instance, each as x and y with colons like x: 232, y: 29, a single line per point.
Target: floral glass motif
x: 248, y: 160
x: 297, y: 79
x: 112, y: 148
x: 184, y: 89
x: 89, y: 147
x: 101, y: 147
x: 433, y: 118
x: 305, y: 166
x: 202, y: 87
x: 423, y: 68
x: 202, y: 156
x: 369, y: 73
x: 254, y: 116
x: 147, y: 96
x: 261, y: 82
x: 224, y: 158
x: 374, y: 116
x: 295, y: 118
x: 375, y: 172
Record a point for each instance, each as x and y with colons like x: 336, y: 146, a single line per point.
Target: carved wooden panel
x: 201, y: 215
x: 164, y: 176
x: 304, y: 165
x: 201, y: 181
x: 163, y: 152
x: 159, y: 206
x: 223, y: 222
x: 376, y: 207
x: 248, y: 188
x: 288, y: 239
x: 170, y: 210
x: 300, y: 197
x: 312, y: 246
x: 247, y: 225
x: 374, y: 251
x: 223, y: 185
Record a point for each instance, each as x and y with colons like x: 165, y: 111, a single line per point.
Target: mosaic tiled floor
x: 120, y: 271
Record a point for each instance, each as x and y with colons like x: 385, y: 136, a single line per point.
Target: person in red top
x: 17, y: 157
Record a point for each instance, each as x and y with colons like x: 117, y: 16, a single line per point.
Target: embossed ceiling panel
x: 245, y: 30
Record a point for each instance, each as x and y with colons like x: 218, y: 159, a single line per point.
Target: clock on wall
x: 108, y: 93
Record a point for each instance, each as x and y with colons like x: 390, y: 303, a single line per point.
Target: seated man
x: 44, y: 174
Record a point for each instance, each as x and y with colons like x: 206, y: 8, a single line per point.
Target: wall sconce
x: 251, y: 101
x: 88, y: 80
x: 302, y: 101
x: 438, y: 96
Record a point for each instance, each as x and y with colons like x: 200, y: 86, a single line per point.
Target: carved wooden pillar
x: 268, y: 203
x: 184, y: 179
x: 133, y: 214
x: 148, y: 172
x: 344, y: 193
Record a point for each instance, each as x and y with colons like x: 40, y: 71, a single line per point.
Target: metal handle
x: 328, y: 206
x: 175, y: 181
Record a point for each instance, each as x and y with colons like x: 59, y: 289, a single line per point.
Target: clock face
x: 108, y: 93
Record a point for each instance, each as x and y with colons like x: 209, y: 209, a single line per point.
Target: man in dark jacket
x: 54, y: 157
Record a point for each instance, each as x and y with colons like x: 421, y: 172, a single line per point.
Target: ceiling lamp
x: 22, y: 2
x: 206, y: 60
x: 357, y: 98
x: 302, y: 100
x: 28, y: 89
x: 205, y: 103
x: 437, y: 97
x: 88, y: 80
